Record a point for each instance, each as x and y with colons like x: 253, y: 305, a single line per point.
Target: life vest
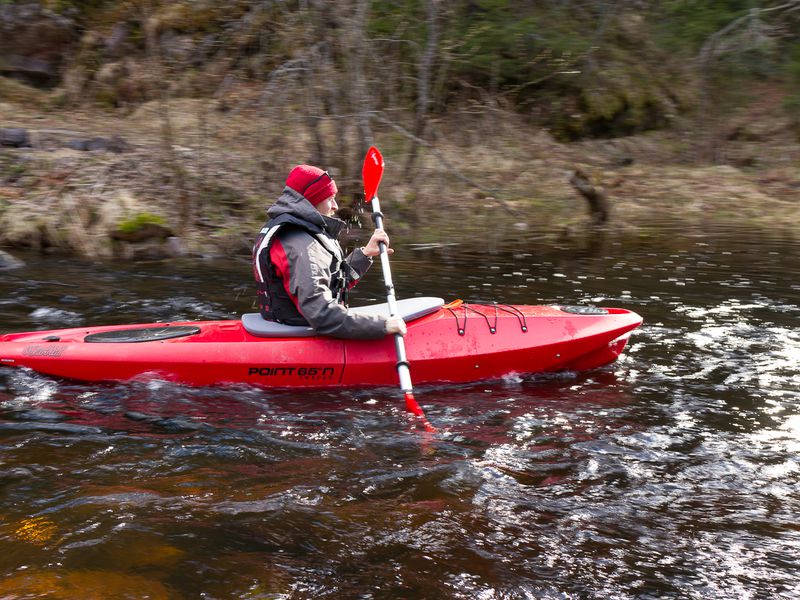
x: 274, y: 302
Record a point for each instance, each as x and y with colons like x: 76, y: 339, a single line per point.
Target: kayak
x: 457, y: 342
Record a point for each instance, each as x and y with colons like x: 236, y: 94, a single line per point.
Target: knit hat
x: 312, y: 182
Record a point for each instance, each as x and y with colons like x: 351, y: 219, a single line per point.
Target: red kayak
x: 455, y: 343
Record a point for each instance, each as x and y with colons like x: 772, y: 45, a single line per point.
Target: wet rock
x: 14, y: 137
x: 8, y: 262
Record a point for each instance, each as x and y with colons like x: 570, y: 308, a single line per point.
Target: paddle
x: 372, y: 173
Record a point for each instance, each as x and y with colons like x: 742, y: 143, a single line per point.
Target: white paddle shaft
x: 402, y: 362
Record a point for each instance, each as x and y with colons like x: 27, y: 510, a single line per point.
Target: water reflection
x: 672, y: 473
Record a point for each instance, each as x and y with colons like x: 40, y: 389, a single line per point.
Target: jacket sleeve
x: 309, y: 282
x: 355, y: 265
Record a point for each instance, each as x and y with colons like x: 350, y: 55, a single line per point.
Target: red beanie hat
x: 312, y: 182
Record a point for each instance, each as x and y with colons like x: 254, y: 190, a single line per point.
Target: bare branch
x: 424, y: 83
x: 451, y: 168
x: 756, y: 29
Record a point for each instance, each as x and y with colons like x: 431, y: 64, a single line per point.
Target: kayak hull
x: 454, y: 344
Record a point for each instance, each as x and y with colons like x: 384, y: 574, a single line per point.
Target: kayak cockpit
x: 408, y: 308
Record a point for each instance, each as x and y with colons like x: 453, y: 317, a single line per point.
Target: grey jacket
x: 309, y: 241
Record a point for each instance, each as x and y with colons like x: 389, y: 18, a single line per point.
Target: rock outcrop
x: 33, y: 43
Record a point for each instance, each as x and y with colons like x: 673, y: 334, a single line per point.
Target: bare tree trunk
x: 171, y: 159
x: 345, y: 95
x: 315, y: 91
x: 362, y: 96
x: 314, y: 114
x: 424, y: 85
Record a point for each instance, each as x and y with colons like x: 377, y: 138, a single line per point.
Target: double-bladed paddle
x: 372, y: 173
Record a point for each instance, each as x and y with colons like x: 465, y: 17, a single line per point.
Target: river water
x: 671, y: 474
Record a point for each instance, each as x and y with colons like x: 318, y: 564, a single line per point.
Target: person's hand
x: 395, y: 325
x: 372, y: 248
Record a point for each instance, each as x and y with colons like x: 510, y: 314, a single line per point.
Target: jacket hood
x: 293, y: 207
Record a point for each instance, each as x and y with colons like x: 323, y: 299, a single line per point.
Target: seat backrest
x: 256, y: 325
x: 408, y: 308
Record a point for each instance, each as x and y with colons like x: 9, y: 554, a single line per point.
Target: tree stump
x: 599, y: 208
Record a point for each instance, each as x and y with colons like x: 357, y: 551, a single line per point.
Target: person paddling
x: 302, y: 276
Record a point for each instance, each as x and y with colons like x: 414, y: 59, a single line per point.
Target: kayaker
x: 301, y: 273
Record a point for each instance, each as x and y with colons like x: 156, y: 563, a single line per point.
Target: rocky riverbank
x: 102, y: 184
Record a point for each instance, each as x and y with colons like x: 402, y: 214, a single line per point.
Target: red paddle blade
x: 372, y: 172
x: 415, y: 409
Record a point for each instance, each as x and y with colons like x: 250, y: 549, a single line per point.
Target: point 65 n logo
x: 299, y: 372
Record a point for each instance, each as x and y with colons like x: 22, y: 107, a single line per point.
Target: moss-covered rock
x: 142, y: 225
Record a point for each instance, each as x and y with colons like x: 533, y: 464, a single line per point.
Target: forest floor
x: 489, y: 171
